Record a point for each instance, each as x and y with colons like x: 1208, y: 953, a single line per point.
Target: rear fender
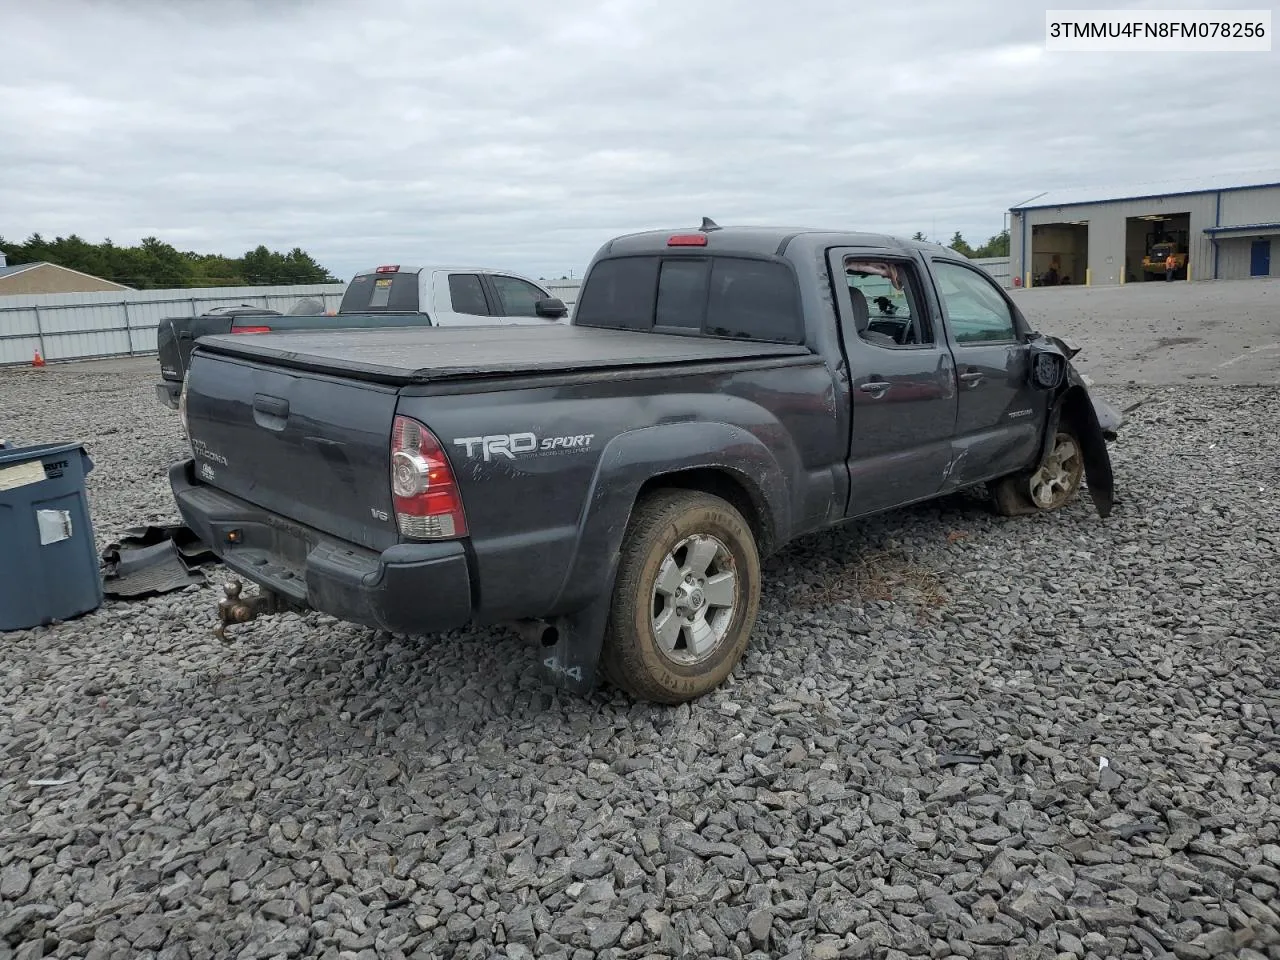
x: 628, y: 462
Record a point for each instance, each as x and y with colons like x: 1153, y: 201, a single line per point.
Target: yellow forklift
x: 1159, y: 247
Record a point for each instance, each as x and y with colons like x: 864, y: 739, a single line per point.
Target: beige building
x: 1215, y: 228
x: 49, y: 278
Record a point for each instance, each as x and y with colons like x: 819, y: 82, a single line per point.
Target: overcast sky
x: 525, y: 134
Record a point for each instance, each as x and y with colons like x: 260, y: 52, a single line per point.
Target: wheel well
x: 726, y: 485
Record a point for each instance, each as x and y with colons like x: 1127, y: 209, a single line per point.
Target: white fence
x: 998, y: 267
x: 77, y: 326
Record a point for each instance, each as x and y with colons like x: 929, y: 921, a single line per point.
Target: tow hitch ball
x: 235, y: 609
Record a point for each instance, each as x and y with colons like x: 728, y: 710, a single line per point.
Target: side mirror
x: 1048, y: 368
x: 551, y: 307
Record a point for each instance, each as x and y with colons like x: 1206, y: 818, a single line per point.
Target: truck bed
x: 405, y: 356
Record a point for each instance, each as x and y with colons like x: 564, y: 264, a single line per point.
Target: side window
x: 754, y: 300
x: 886, y: 303
x: 467, y: 295
x: 619, y: 294
x: 516, y: 298
x: 682, y: 293
x: 976, y: 312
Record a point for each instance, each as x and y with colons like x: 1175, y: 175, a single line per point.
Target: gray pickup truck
x: 611, y: 485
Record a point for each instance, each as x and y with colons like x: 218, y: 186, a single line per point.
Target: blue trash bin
x: 48, y: 559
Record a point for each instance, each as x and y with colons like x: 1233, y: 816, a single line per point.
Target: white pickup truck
x: 451, y: 295
x: 388, y: 296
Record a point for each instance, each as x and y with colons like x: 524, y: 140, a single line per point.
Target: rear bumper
x: 168, y: 392
x: 407, y: 588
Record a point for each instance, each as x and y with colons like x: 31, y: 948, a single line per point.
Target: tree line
x: 153, y: 264
x: 996, y: 246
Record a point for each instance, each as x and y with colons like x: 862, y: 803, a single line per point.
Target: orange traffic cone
x: 37, y: 361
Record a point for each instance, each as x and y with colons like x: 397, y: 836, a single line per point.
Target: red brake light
x: 394, y: 268
x: 687, y: 240
x: 427, y: 502
x: 235, y: 328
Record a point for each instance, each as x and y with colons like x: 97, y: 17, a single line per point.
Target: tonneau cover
x: 420, y: 354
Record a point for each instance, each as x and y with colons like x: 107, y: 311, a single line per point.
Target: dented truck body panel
x: 553, y: 433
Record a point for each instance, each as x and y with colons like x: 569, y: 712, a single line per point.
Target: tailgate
x: 309, y: 447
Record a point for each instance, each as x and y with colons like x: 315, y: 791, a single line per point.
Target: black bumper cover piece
x: 407, y: 588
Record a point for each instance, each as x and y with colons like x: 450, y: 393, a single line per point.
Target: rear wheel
x: 685, y: 597
x: 1050, y: 487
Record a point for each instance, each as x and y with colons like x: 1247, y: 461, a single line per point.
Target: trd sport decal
x: 509, y: 446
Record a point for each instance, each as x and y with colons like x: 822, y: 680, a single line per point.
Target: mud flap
x: 572, y: 662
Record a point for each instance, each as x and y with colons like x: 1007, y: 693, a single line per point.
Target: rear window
x: 619, y: 294
x: 732, y: 297
x: 381, y: 293
x: 466, y: 295
x: 682, y: 293
x: 753, y: 300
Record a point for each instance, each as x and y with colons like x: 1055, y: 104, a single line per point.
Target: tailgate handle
x: 271, y: 406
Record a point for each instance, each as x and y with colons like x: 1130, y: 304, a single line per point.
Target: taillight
x: 687, y: 240
x: 238, y: 329
x: 427, y: 502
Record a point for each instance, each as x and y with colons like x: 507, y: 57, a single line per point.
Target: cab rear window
x: 738, y: 298
x: 381, y: 293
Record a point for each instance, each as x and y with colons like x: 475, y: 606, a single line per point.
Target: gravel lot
x: 907, y: 764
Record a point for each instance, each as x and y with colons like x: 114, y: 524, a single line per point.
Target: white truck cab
x: 452, y: 296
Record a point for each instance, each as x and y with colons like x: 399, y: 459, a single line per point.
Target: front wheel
x: 1050, y: 487
x: 685, y: 597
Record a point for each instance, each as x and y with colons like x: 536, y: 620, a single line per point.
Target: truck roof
x: 762, y: 240
x: 446, y: 267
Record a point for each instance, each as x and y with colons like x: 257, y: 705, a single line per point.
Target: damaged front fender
x: 1091, y: 420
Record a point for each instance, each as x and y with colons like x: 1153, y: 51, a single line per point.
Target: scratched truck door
x: 1000, y: 413
x: 902, y: 380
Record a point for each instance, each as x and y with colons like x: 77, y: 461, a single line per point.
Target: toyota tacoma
x: 610, y: 485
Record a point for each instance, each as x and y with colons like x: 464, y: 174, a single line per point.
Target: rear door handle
x: 876, y: 388
x: 972, y: 377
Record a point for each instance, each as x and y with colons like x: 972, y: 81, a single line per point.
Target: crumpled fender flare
x: 1074, y: 406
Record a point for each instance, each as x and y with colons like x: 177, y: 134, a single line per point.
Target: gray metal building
x: 1218, y: 229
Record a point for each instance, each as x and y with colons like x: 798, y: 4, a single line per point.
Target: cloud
x: 525, y: 135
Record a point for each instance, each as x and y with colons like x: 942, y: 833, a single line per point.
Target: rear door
x: 460, y: 298
x: 902, y: 379
x: 999, y: 414
x: 312, y: 448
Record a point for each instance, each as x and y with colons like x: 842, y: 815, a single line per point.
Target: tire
x: 670, y: 639
x: 1048, y: 488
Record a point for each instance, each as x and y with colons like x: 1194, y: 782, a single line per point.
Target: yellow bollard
x: 1088, y: 276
